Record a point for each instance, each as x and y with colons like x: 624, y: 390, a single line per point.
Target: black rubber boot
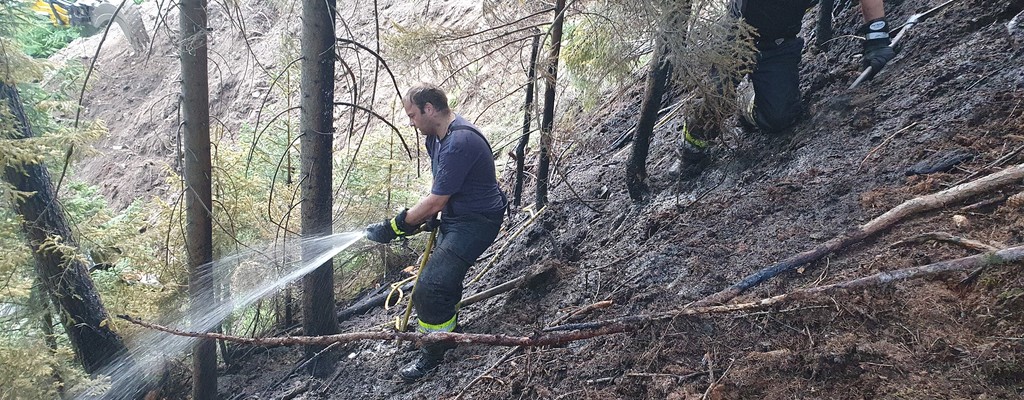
x: 693, y: 160
x: 430, y: 356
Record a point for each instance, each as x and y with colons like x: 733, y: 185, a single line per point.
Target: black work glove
x: 877, y: 51
x: 426, y: 226
x: 386, y: 231
x: 430, y: 224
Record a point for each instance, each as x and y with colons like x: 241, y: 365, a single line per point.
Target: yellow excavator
x: 92, y: 16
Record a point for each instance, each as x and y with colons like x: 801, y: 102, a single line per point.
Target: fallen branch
x: 994, y: 258
x: 507, y: 286
x: 673, y: 376
x: 375, y: 300
x: 379, y: 297
x: 910, y: 207
x: 291, y: 373
x: 1000, y: 161
x: 948, y: 238
x: 508, y: 354
x: 585, y: 203
x: 984, y: 203
x: 434, y: 337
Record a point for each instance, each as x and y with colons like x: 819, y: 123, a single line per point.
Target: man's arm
x: 425, y: 209
x: 872, y: 9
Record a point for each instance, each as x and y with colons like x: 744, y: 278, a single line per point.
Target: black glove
x: 386, y: 231
x: 381, y: 232
x: 430, y: 224
x: 877, y: 51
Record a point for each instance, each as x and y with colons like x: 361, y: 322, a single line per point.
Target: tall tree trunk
x: 317, y: 135
x: 531, y: 80
x: 548, y: 119
x: 65, y: 279
x: 195, y: 92
x: 289, y: 171
x: 657, y: 84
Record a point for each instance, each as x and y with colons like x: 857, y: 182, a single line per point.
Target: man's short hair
x: 423, y: 93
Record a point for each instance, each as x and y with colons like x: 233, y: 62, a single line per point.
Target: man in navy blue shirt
x: 466, y: 193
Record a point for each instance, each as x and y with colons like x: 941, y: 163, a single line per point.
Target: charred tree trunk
x: 289, y: 307
x: 548, y: 119
x: 531, y: 80
x: 657, y: 85
x: 65, y: 279
x: 198, y: 195
x: 317, y: 135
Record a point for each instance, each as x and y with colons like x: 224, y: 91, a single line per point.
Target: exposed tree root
x: 910, y: 207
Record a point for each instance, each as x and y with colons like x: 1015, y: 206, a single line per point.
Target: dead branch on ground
x: 507, y: 286
x: 618, y: 325
x: 880, y: 145
x: 948, y: 238
x: 910, y: 207
x: 549, y: 339
x: 998, y: 162
x: 984, y: 203
x: 819, y: 293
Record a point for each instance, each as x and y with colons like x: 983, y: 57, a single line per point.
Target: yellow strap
x: 397, y: 288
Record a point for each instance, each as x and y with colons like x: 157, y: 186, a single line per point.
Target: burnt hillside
x: 956, y: 88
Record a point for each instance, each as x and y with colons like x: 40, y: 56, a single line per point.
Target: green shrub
x: 41, y: 39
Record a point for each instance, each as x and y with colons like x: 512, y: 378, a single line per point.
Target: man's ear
x: 428, y: 108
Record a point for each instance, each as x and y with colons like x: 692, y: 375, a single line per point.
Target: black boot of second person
x: 430, y: 356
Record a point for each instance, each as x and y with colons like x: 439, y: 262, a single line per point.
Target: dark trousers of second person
x: 776, y: 81
x: 462, y: 239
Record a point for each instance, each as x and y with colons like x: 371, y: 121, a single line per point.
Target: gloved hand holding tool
x: 388, y: 230
x: 878, y: 49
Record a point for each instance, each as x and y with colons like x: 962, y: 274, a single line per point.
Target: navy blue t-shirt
x: 463, y: 168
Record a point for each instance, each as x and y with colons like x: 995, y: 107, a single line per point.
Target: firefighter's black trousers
x: 776, y: 80
x: 462, y: 238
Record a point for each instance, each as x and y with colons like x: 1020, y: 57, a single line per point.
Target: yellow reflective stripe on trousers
x: 446, y: 326
x: 700, y: 144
